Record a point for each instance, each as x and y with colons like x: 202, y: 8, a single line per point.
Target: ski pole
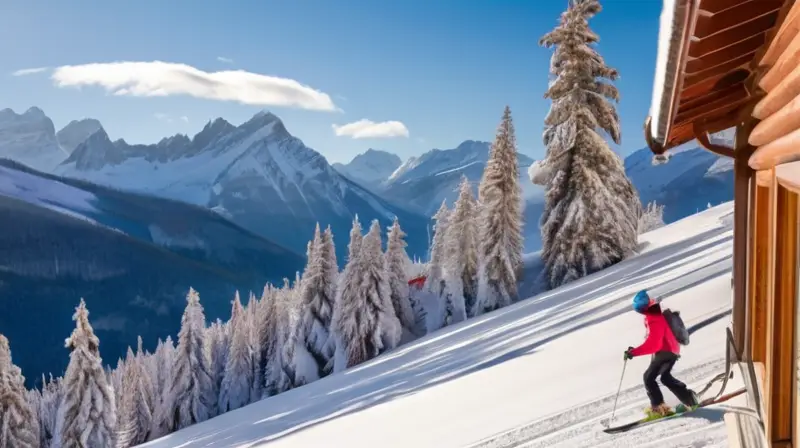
x: 619, y: 389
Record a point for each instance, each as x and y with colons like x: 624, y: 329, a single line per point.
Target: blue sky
x: 443, y: 68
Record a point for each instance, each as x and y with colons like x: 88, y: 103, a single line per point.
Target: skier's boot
x: 657, y: 412
x: 681, y: 408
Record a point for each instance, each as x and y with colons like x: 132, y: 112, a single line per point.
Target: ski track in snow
x: 582, y: 426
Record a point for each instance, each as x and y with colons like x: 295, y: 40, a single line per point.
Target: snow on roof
x: 540, y: 373
x: 670, y: 34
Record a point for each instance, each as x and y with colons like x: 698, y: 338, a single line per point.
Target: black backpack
x: 676, y: 325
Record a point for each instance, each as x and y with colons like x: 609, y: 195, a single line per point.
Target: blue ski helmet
x: 642, y: 301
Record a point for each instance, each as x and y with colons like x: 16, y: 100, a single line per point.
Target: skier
x: 665, y: 350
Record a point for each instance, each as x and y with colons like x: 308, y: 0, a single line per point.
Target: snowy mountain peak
x: 96, y: 152
x: 29, y: 138
x: 76, y: 132
x: 34, y: 112
x: 370, y: 168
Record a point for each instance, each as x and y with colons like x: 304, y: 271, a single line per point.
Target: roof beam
x: 717, y: 6
x: 718, y: 71
x: 724, y: 82
x: 722, y: 104
x: 749, y: 45
x: 731, y: 36
x: 708, y: 24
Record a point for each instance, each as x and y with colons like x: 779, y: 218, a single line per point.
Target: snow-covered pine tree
x: 253, y: 317
x: 355, y: 326
x: 591, y: 210
x: 354, y: 247
x: 34, y: 400
x: 115, y: 377
x: 48, y: 411
x: 279, y: 375
x: 332, y: 276
x: 461, y: 260
x: 190, y: 396
x: 268, y: 335
x: 217, y: 351
x: 19, y: 426
x: 435, y: 281
x: 87, y: 416
x: 136, y: 419
x: 238, y: 380
x: 316, y: 301
x: 500, y: 235
x: 375, y: 285
x: 397, y: 263
x: 164, y: 358
x: 652, y: 217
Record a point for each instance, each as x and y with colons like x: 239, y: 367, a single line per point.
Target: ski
x: 646, y: 421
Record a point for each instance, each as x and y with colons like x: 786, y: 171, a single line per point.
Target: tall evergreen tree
x: 218, y: 348
x: 397, y: 263
x: 461, y: 260
x: 375, y: 285
x: 190, y: 396
x: 591, y: 207
x: 19, y: 425
x: 48, y: 411
x: 435, y: 280
x: 354, y: 247
x: 253, y: 318
x: 136, y: 419
x: 500, y: 235
x: 280, y: 375
x: 268, y: 335
x: 87, y: 415
x: 316, y: 301
x: 355, y: 326
x: 238, y: 380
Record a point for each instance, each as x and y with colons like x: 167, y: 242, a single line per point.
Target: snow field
x: 541, y: 372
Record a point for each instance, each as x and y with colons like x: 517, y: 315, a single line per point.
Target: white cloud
x: 369, y: 129
x: 225, y: 60
x: 165, y: 79
x: 30, y: 71
x: 168, y: 119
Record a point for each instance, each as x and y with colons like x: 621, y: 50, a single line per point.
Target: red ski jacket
x: 659, y: 337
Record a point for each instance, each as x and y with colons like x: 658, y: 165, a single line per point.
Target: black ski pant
x: 661, y: 365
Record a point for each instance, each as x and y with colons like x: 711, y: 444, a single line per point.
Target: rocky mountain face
x: 256, y: 174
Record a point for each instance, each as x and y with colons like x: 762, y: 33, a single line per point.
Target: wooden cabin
x: 725, y: 64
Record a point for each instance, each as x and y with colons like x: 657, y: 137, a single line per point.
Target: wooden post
x: 782, y: 371
x: 759, y: 272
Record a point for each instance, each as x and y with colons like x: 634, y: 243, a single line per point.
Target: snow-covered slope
x: 256, y: 174
x: 540, y: 373
x: 371, y: 168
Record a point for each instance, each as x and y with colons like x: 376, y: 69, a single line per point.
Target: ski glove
x: 628, y: 353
